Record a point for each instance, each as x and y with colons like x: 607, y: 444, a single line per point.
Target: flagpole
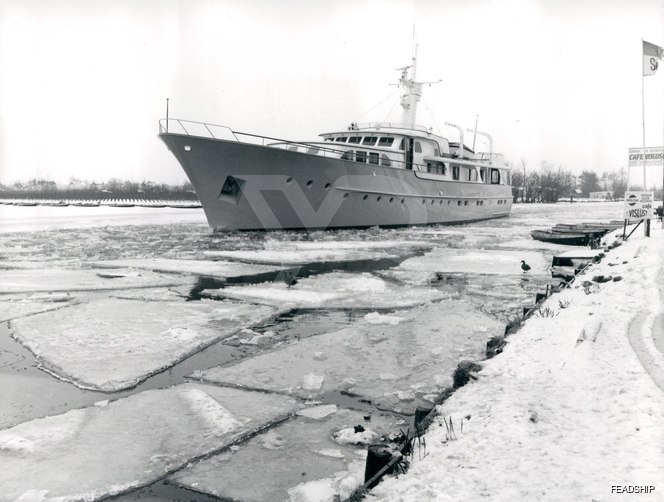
x: 643, y: 118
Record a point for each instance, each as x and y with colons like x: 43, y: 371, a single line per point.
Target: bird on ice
x: 524, y: 266
x: 289, y: 278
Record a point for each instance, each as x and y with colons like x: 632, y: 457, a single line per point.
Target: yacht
x: 364, y: 175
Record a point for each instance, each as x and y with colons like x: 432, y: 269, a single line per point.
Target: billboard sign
x: 654, y: 156
x: 638, y: 205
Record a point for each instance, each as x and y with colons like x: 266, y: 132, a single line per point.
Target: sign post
x: 639, y: 207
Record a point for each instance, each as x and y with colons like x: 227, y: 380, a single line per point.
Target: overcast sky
x: 83, y: 82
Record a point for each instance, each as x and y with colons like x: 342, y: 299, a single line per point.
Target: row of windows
x: 363, y: 157
x: 364, y: 140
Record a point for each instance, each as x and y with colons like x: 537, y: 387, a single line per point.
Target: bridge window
x: 385, y: 141
x: 473, y: 174
x: 455, y: 173
x: 360, y: 156
x: 329, y: 139
x: 355, y: 139
x: 402, y: 145
x: 373, y: 158
x: 495, y: 176
x: 348, y: 155
x: 507, y: 178
x: 418, y: 147
x: 370, y: 140
x: 385, y: 161
x: 341, y: 139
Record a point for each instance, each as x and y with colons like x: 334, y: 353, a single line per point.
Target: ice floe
x: 298, y: 460
x: 15, y: 306
x: 63, y: 280
x: 298, y: 252
x: 214, y: 268
x: 333, y: 290
x: 476, y: 261
x: 111, y: 344
x: 388, y: 364
x: 95, y: 452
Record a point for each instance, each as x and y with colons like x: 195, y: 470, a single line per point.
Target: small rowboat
x: 569, y: 239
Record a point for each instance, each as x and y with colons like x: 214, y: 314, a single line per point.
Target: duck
x: 288, y: 278
x: 524, y: 266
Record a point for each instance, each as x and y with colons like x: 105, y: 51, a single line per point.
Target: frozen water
x: 94, y: 452
x: 473, y: 261
x: 14, y: 306
x: 377, y: 362
x: 298, y: 252
x: 294, y: 459
x: 376, y: 318
x: 219, y: 268
x: 111, y: 344
x: 40, y: 218
x: 59, y: 279
x: 333, y: 290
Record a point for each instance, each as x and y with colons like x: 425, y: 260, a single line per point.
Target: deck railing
x: 225, y: 133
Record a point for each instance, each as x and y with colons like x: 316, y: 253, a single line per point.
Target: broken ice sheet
x: 220, y: 269
x: 111, y: 344
x: 333, y: 290
x: 298, y: 451
x: 60, y: 279
x: 477, y: 261
x: 389, y: 364
x: 15, y: 306
x: 94, y: 452
x: 294, y: 253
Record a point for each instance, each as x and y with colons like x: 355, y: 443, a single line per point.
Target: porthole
x: 440, y: 202
x: 346, y: 195
x: 423, y: 202
x: 458, y: 203
x: 449, y: 202
x: 432, y: 202
x: 327, y: 186
x: 465, y: 202
x: 378, y: 198
x: 289, y: 180
x: 310, y: 183
x: 365, y: 197
x: 187, y: 148
x: 403, y: 201
x: 391, y: 199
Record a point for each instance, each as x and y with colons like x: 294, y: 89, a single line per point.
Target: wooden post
x: 378, y: 456
x: 423, y: 409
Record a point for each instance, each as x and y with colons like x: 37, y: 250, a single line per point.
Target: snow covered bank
x: 112, y: 344
x: 568, y: 411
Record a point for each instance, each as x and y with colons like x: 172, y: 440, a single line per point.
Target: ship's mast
x: 413, y: 91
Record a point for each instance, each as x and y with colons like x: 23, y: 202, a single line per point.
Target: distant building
x: 606, y: 195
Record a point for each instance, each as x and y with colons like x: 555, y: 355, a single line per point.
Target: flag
x: 651, y: 54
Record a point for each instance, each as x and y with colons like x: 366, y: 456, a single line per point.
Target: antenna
x: 167, y: 99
